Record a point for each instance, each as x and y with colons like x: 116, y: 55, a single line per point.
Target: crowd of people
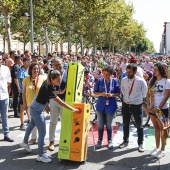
x: 38, y: 84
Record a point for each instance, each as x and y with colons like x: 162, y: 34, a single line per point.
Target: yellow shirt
x: 30, y: 94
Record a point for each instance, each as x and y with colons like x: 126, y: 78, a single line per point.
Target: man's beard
x: 130, y: 76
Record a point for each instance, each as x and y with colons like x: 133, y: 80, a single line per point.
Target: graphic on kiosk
x: 77, y: 139
x: 77, y: 131
x: 77, y: 121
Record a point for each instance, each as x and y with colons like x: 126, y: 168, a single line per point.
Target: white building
x: 39, y: 47
x: 165, y: 42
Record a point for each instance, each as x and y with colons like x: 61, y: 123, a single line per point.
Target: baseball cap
x: 133, y: 60
x: 17, y: 57
x: 34, y: 55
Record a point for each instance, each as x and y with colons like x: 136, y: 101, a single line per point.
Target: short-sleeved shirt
x: 14, y: 72
x: 159, y: 92
x: 148, y: 66
x: 22, y: 74
x: 30, y: 94
x: 46, y: 92
x: 101, y: 102
x: 5, y: 78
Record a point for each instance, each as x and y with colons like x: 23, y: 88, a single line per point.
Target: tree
x: 92, y: 23
x: 8, y: 7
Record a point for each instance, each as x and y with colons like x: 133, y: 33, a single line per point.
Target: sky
x: 153, y: 14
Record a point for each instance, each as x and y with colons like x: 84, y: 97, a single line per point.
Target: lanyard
x: 110, y: 85
x: 34, y: 85
x: 131, y: 88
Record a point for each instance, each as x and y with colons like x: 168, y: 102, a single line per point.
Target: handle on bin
x: 79, y: 110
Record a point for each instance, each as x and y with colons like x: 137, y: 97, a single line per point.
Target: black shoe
x: 8, y: 139
x: 99, y: 144
x: 123, y: 145
x: 17, y: 115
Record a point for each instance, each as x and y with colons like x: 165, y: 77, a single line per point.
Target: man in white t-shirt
x: 148, y: 66
x: 124, y: 64
x: 5, y: 80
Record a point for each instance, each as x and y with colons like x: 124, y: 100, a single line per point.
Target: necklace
x: 34, y: 83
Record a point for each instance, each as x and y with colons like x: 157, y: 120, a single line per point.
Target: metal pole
x: 69, y: 40
x: 39, y: 47
x: 46, y: 39
x: 4, y: 42
x: 32, y: 29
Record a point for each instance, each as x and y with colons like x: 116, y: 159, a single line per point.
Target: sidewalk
x: 12, y: 157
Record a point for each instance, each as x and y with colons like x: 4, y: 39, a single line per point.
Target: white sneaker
x: 154, y: 152
x: 22, y: 127
x: 160, y: 154
x: 110, y: 144
x: 25, y: 146
x: 44, y: 159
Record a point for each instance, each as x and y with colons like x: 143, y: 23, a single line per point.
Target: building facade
x: 165, y: 40
x: 39, y: 47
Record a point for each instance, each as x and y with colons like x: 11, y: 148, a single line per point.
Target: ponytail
x: 52, y: 74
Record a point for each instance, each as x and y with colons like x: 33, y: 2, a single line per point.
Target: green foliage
x: 108, y: 22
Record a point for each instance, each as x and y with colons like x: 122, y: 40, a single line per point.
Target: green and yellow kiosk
x: 74, y: 126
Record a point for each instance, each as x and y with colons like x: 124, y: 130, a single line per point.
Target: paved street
x: 12, y: 157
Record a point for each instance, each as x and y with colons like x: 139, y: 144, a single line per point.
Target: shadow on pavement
x: 140, y: 162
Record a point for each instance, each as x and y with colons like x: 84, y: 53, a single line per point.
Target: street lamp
x: 24, y: 16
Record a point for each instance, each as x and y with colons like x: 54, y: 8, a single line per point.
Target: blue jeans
x: 4, y: 115
x: 105, y: 119
x: 37, y: 119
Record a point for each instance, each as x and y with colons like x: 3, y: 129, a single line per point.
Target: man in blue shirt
x: 23, y: 73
